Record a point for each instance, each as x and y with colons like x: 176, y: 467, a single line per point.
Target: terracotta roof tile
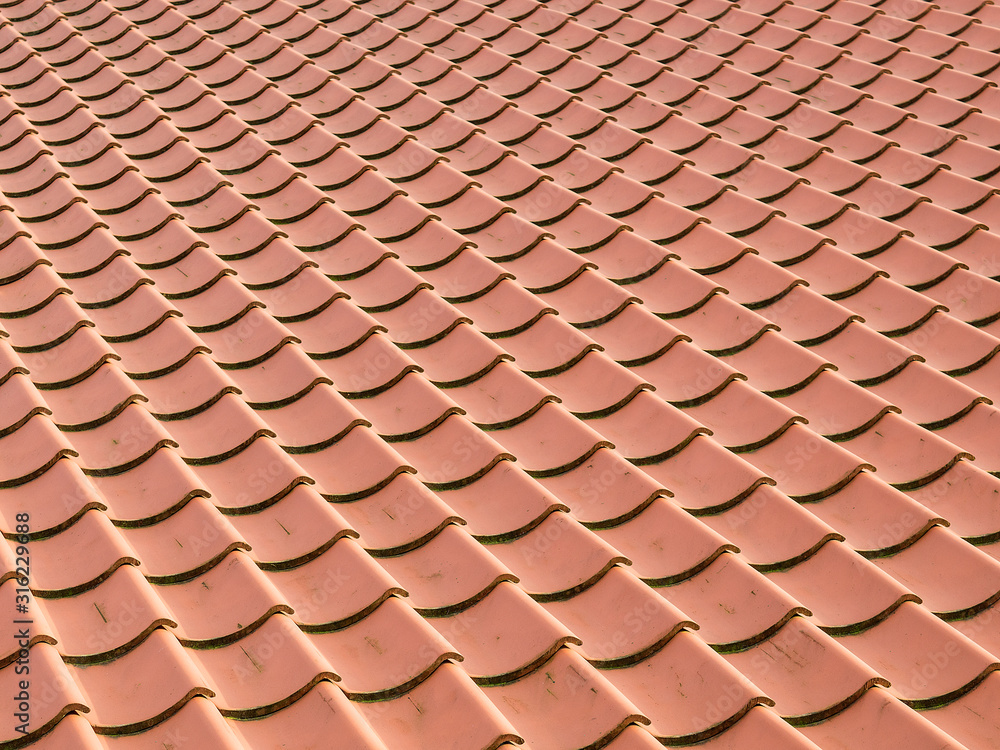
x: 690, y: 714
x: 477, y: 354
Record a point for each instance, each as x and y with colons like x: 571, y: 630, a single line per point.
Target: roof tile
x: 753, y: 525
x: 740, y: 619
x: 526, y: 700
x: 697, y: 712
x: 314, y: 713
x: 544, y: 228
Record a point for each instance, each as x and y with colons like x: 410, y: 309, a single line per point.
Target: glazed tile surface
x: 480, y: 375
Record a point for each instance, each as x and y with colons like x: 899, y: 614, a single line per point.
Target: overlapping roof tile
x: 436, y: 373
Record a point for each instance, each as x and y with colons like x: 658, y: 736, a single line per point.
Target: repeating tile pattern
x: 477, y: 375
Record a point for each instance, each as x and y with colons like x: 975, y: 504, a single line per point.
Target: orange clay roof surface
x: 437, y: 374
